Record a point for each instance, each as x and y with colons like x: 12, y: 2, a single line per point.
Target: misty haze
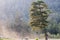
x: 14, y: 20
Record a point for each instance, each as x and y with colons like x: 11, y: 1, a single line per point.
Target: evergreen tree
x: 38, y: 16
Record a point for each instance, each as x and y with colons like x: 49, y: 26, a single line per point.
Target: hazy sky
x: 9, y: 8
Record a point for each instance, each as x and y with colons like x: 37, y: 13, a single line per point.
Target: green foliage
x: 38, y: 14
x: 5, y: 39
x: 36, y: 38
x: 54, y: 28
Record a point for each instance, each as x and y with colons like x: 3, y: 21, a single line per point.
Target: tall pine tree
x: 38, y: 16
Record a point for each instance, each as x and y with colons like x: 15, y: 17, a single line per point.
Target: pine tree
x: 38, y: 16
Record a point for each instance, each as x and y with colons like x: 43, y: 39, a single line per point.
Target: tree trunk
x: 46, y: 35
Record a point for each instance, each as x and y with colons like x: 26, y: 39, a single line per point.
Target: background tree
x: 54, y: 27
x: 38, y: 16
